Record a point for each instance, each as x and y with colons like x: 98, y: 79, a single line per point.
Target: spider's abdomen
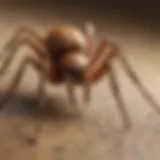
x: 65, y: 39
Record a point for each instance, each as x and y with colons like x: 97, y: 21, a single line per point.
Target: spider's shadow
x: 27, y: 104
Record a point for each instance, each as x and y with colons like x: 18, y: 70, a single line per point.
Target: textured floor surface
x: 96, y: 134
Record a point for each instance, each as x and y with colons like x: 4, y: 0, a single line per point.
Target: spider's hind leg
x: 24, y: 35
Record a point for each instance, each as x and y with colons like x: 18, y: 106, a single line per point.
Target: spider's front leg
x: 24, y: 35
x: 101, y: 64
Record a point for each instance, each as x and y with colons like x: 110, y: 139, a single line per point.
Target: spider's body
x: 73, y: 58
x: 66, y: 47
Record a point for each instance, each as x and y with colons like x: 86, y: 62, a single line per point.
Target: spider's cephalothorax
x: 67, y: 48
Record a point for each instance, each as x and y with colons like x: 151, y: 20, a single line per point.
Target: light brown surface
x: 96, y: 134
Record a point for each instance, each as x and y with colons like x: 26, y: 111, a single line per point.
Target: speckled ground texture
x: 97, y: 133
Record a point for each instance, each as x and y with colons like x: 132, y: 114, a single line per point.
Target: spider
x: 67, y: 55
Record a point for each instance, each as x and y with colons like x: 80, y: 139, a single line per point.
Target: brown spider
x: 67, y: 55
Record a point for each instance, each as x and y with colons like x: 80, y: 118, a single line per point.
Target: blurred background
x: 142, y: 13
x: 132, y: 24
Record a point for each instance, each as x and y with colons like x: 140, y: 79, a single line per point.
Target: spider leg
x: 71, y: 94
x: 89, y: 32
x: 24, y: 35
x: 40, y: 67
x: 132, y: 74
x: 87, y: 93
x: 97, y: 64
x: 18, y: 78
x: 100, y: 64
x: 119, y: 99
